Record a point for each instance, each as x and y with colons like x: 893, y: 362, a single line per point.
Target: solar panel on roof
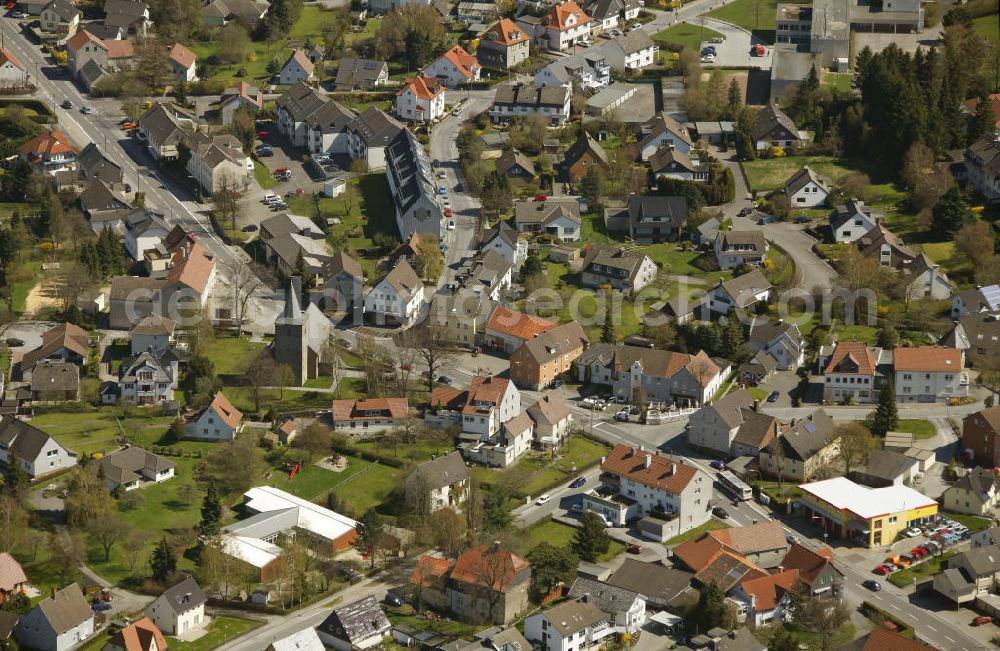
x: 991, y: 294
x: 811, y: 426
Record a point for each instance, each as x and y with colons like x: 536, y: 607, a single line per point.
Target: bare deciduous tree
x: 243, y: 283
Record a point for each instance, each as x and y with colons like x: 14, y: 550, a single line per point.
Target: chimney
x: 648, y: 461
x: 673, y: 468
x: 754, y: 521
x: 496, y: 545
x: 585, y: 598
x: 756, y: 405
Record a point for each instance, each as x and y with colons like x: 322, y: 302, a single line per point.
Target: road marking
x: 932, y: 628
x: 949, y: 639
x: 894, y: 606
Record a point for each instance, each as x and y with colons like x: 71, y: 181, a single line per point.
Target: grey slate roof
x: 60, y: 376
x: 803, y: 177
x: 656, y: 209
x: 66, y: 609
x: 609, y: 598
x: 356, y: 621
x: 977, y: 481
x: 375, y: 128
x: 652, y: 128
x: 658, y: 583
x: 768, y: 119
x: 354, y: 73
x: 808, y: 436
x: 65, y: 9
x: 126, y: 465
x: 443, y: 471
x: 981, y: 561
x: 730, y: 407
x: 23, y: 440
x: 520, y: 94
x: 184, y: 596
x: 571, y: 617
x: 404, y: 280
x: 887, y: 465
x: 95, y: 165
x: 301, y: 101
x: 743, y: 288
x: 634, y: 41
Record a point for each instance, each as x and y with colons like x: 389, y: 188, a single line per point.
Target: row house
x: 369, y: 135
x: 517, y: 100
x: 412, y: 185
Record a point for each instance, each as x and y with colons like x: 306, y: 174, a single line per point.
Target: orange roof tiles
x: 753, y: 538
x: 726, y: 569
x: 449, y: 398
x: 463, y: 61
x: 81, y: 38
x: 928, y: 359
x: 482, y: 564
x: 394, y: 408
x: 423, y: 87
x: 118, y: 49
x: 6, y: 55
x: 697, y: 553
x: 182, y: 55
x: 486, y: 390
x: 649, y: 469
x: 849, y: 354
x: 881, y: 639
x: 142, y: 635
x: 768, y: 590
x: 11, y: 573
x: 428, y: 569
x: 229, y: 414
x: 191, y: 266
x: 560, y: 15
x: 505, y: 32
x: 47, y: 144
x: 518, y: 324
x: 809, y: 563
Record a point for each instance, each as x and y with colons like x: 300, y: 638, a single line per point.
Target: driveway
x: 30, y: 332
x: 734, y: 52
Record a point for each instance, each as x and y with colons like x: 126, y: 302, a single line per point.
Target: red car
x: 541, y: 197
x: 447, y: 212
x: 982, y: 619
x: 262, y: 135
x: 917, y: 552
x: 881, y: 570
x: 633, y: 549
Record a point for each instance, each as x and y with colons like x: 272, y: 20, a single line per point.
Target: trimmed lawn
x: 96, y: 431
x: 220, y: 630
x: 263, y: 176
x: 920, y: 571
x: 561, y: 535
x: 867, y: 334
x: 921, y: 429
x: 758, y: 16
x: 711, y: 525
x: 779, y: 492
x: 19, y: 291
x: 537, y: 473
x: 765, y: 175
x: 367, y: 485
x: 437, y: 625
x: 988, y: 27
x: 685, y: 35
x: 939, y: 252
x: 309, y: 483
x: 838, y: 81
x: 232, y: 355
x: 287, y: 400
x: 973, y: 522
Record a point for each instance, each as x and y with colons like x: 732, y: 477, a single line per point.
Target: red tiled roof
x: 928, y: 359
x: 191, y: 266
x: 6, y: 55
x: 482, y: 564
x: 423, y: 87
x: 182, y: 55
x: 558, y: 15
x: 462, y: 60
x: 428, y: 569
x: 487, y: 389
x: 768, y: 590
x: 352, y: 409
x: 697, y: 553
x: 229, y: 414
x: 649, y: 469
x: 46, y: 144
x: 518, y: 324
x: 881, y: 639
x: 809, y: 563
x: 449, y: 397
x: 852, y: 351
x: 506, y: 32
x: 139, y: 636
x: 726, y: 569
x: 118, y: 49
x: 11, y: 573
x: 81, y: 38
x: 754, y: 538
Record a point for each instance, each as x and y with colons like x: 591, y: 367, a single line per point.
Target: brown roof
x: 487, y: 390
x: 498, y: 565
x: 46, y: 144
x: 550, y: 409
x: 809, y: 563
x: 755, y: 538
x: 769, y: 589
x: 64, y: 335
x: 142, y: 635
x: 118, y: 49
x: 517, y: 324
x: 727, y: 569
x: 991, y: 415
x: 65, y: 609
x: 428, y: 570
x: 423, y: 87
x: 449, y: 397
x: 649, y: 469
x: 230, y: 415
x: 182, y: 55
x: 697, y: 553
x: 758, y: 430
x: 854, y: 353
x: 505, y: 32
x: 352, y: 409
x: 881, y: 639
x: 11, y: 573
x: 928, y: 359
x: 192, y: 266
x: 81, y: 38
x: 560, y: 340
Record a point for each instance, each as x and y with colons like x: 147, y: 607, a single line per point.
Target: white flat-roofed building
x: 339, y: 529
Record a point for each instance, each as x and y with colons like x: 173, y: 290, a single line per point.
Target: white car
x: 584, y: 42
x: 634, y: 27
x: 592, y: 403
x: 708, y: 58
x: 451, y: 225
x: 911, y: 532
x: 441, y: 174
x: 543, y: 499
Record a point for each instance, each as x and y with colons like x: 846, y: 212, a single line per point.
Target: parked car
x: 555, y: 384
x: 982, y: 619
x: 791, y: 539
x: 803, y: 220
x: 442, y: 190
x: 451, y: 222
x: 592, y: 403
x: 578, y: 482
x: 101, y: 606
x: 911, y: 532
x: 634, y: 549
x: 543, y: 499
x: 444, y: 379
x: 584, y: 42
x: 717, y: 39
x: 622, y: 415
x: 708, y: 58
x: 393, y: 599
x: 745, y: 212
x: 14, y: 342
x: 720, y: 513
x: 773, y: 396
x: 872, y: 585
x: 882, y: 570
x: 86, y: 110
x: 717, y: 464
x: 249, y: 228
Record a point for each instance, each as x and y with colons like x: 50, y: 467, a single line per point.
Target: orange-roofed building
x: 49, y: 152
x: 762, y: 599
x: 503, y: 46
x: 13, y: 74
x: 561, y: 27
x: 507, y: 330
x: 852, y: 372
x: 142, y: 635
x: 421, y: 99
x: 219, y: 421
x: 491, y: 402
x: 468, y: 585
x: 90, y: 58
x: 182, y: 61
x: 12, y: 577
x: 666, y: 495
x: 368, y: 415
x: 454, y: 68
x: 929, y: 374
x: 816, y: 570
x: 882, y: 639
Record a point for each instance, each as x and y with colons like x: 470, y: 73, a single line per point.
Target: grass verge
x: 711, y: 525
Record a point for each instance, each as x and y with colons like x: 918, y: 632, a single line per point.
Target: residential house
x: 13, y: 74
x: 979, y: 437
x: 658, y: 583
x: 369, y: 134
x: 980, y: 300
x: 292, y: 112
x: 705, y: 233
x: 737, y: 248
x: 361, y: 74
x: 757, y: 432
x: 571, y: 625
x: 218, y: 421
x: 517, y: 99
x: 852, y: 374
x: 368, y: 415
x: 781, y: 341
x: 440, y: 483
x: 421, y: 99
x: 164, y: 127
x: 360, y: 624
x: 852, y: 220
x: 49, y: 152
x: 63, y: 343
x: 714, y: 426
x: 454, y: 68
x: 762, y: 545
x: 625, y: 609
x: 37, y: 453
x: 487, y: 274
x: 284, y: 251
x: 490, y: 402
x: 560, y: 27
x: 92, y: 59
x: 182, y: 62
x: 218, y: 13
x: 513, y: 164
x: 923, y: 278
x: 541, y: 360
x: 978, y: 335
x: 584, y: 154
x: 609, y: 14
x: 296, y: 68
x: 327, y: 130
x: 817, y: 571
x: 485, y: 582
x: 557, y: 217
x: 58, y: 622
x: 552, y: 419
x: 624, y: 270
x: 977, y: 492
x: 667, y: 495
x: 661, y: 132
x: 397, y: 298
x: 979, y: 570
x: 674, y: 164
x: 55, y: 382
x: 218, y: 163
x: 413, y: 187
x: 60, y: 17
x: 305, y: 640
x: 929, y: 374
x: 986, y: 537
x: 129, y: 16
x: 886, y: 468
x: 503, y: 46
x: 761, y: 600
x: 132, y: 467
x: 148, y: 379
x: 502, y: 448
x: 882, y: 639
x: 803, y: 450
x: 144, y: 229
x: 982, y: 165
x: 504, y: 239
x: 460, y: 318
x: 588, y: 69
x: 343, y: 282
x: 773, y: 128
x: 506, y: 330
x: 631, y: 51
x: 639, y: 374
x: 141, y: 635
x: 247, y: 97
x: 742, y: 293
x: 153, y: 332
x: 806, y: 189
x: 179, y: 609
x: 13, y: 580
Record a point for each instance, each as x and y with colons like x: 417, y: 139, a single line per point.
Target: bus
x: 734, y: 485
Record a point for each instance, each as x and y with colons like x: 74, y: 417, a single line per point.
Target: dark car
x: 249, y: 228
x: 444, y: 379
x: 720, y: 512
x: 872, y: 585
x: 100, y: 606
x: 634, y: 549
x: 717, y: 464
x: 555, y: 384
x: 14, y: 342
x: 578, y: 482
x: 773, y: 397
x: 393, y: 599
x: 803, y: 220
x: 67, y: 104
x: 745, y: 212
x: 265, y: 152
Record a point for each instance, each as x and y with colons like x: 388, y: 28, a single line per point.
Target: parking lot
x: 735, y: 50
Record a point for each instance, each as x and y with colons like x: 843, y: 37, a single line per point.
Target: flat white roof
x: 311, y: 517
x: 254, y: 551
x: 865, y: 502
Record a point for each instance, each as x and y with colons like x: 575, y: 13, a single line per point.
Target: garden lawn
x: 367, y: 485
x: 560, y: 535
x: 96, y: 431
x: 684, y: 35
x: 921, y: 429
x: 758, y: 16
x: 779, y: 492
x: 220, y: 630
x: 19, y: 291
x: 309, y: 483
x: 286, y: 400
x: 988, y: 27
x: 765, y: 175
x: 842, y: 82
x: 440, y: 626
x: 263, y: 176
x: 536, y: 472
x: 711, y: 525
x: 231, y: 356
x: 920, y: 571
x: 867, y: 334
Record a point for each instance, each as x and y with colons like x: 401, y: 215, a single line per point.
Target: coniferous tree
x: 886, y: 416
x: 950, y: 213
x: 983, y: 121
x: 591, y: 539
x: 608, y: 333
x: 163, y: 562
x: 211, y: 514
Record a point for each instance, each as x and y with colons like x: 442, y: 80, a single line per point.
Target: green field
x: 220, y: 630
x: 973, y: 522
x: 560, y: 535
x: 989, y: 28
x: 684, y: 35
x: 711, y: 525
x: 368, y: 486
x: 758, y: 16
x: 765, y: 175
x: 537, y: 473
x: 95, y: 431
x: 921, y: 429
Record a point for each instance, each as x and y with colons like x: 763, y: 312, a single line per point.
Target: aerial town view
x: 500, y: 325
